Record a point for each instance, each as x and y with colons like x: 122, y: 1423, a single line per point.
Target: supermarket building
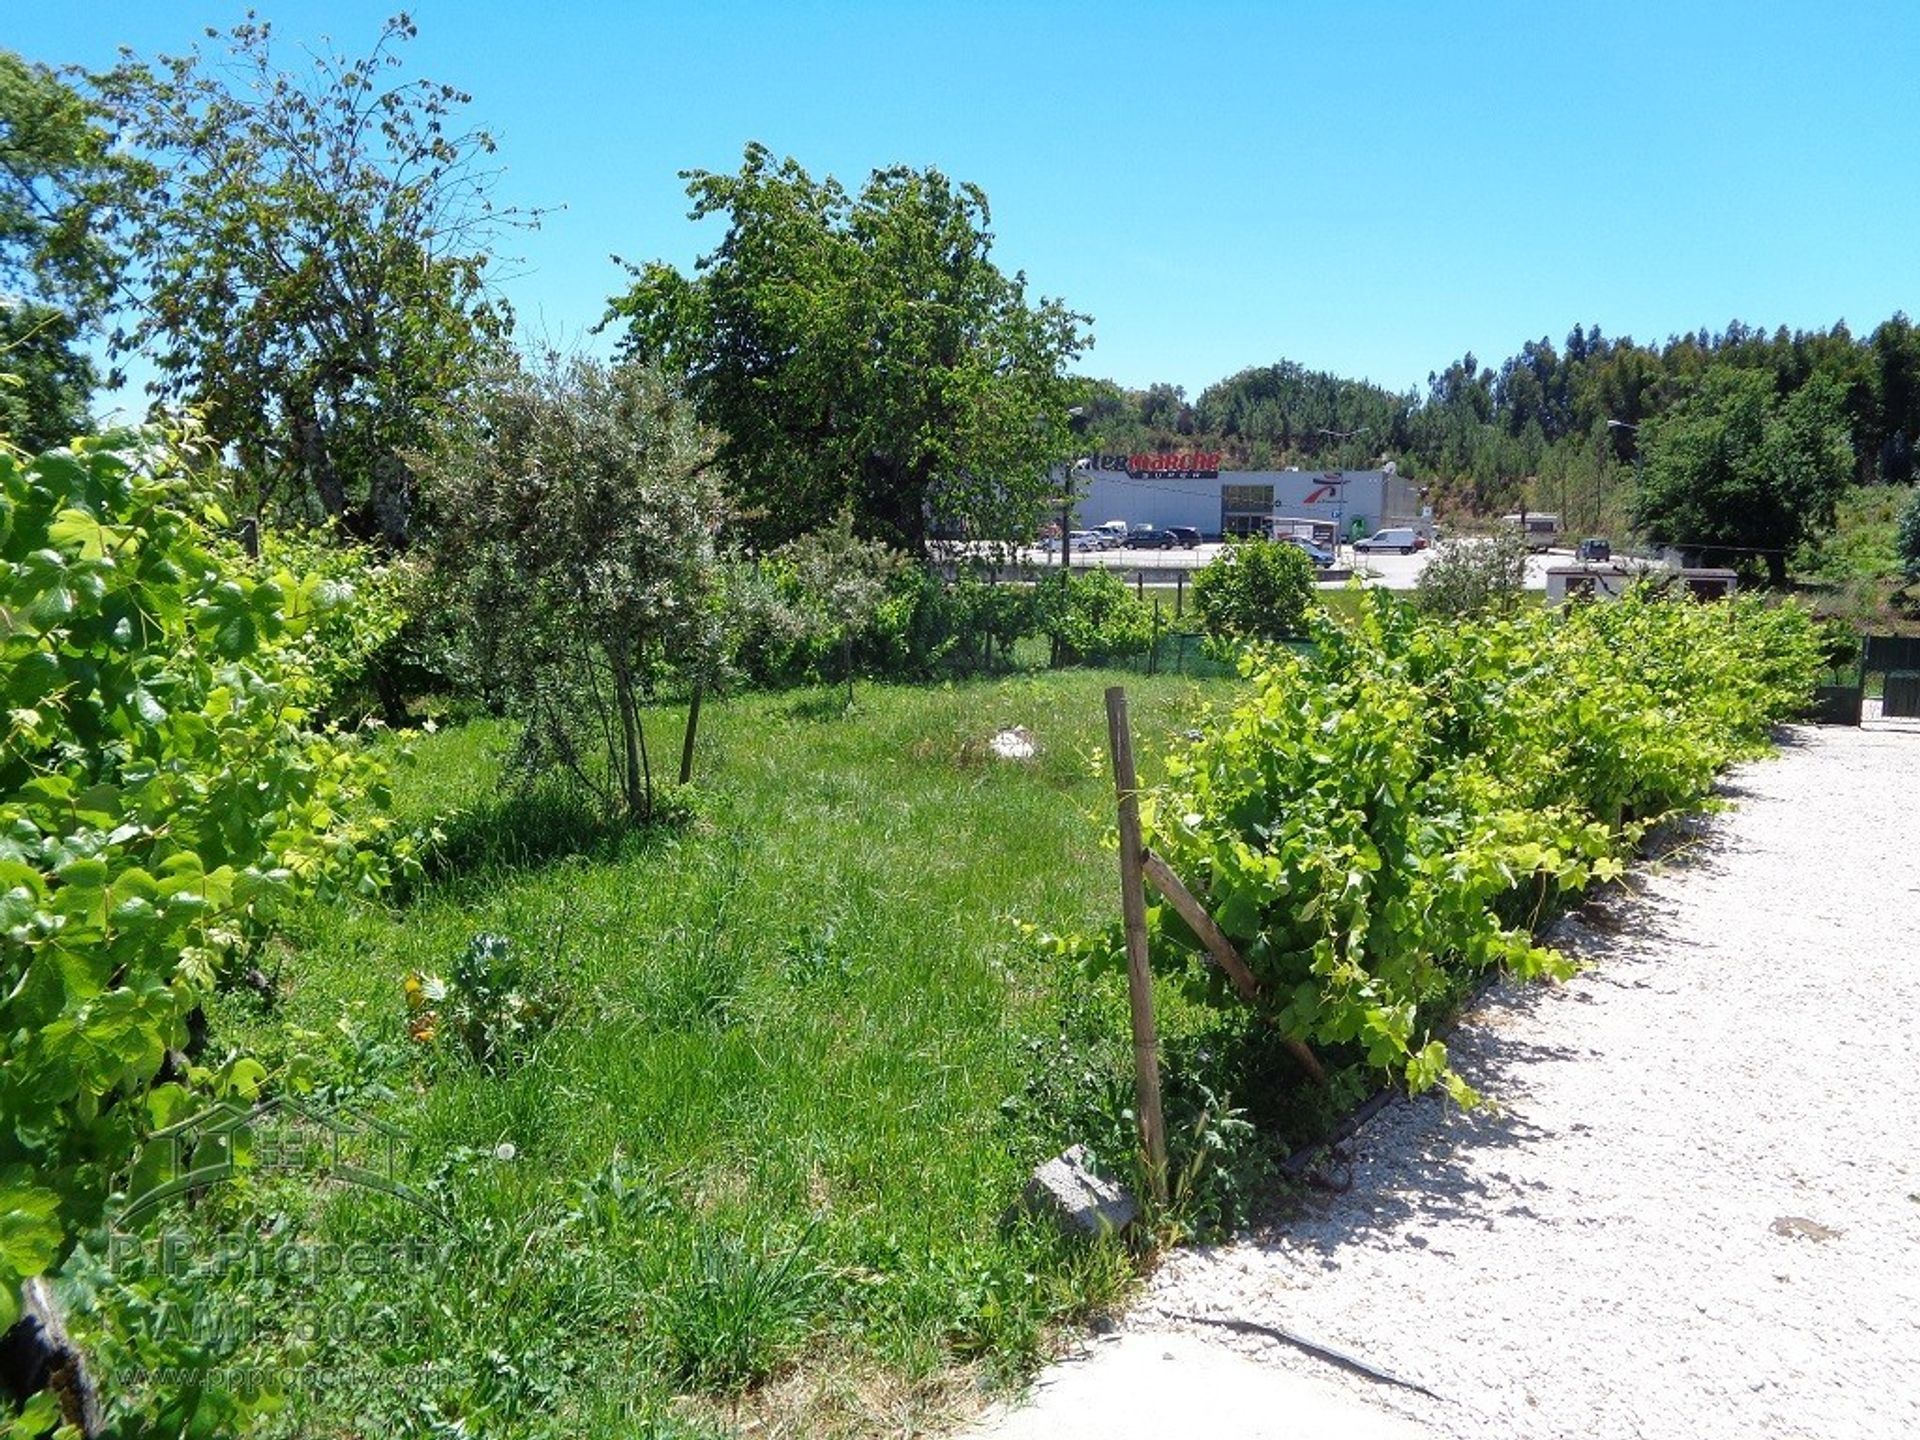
x: 1192, y: 489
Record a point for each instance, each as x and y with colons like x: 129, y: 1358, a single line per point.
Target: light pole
x: 1344, y: 435
x: 1066, y: 495
x: 1625, y: 425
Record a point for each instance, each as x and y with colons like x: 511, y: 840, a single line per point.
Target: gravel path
x: 1697, y: 1213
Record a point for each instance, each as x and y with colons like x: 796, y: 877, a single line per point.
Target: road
x: 1395, y: 572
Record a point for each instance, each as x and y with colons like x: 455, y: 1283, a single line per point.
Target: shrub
x: 839, y: 584
x: 1092, y: 615
x: 1255, y: 590
x: 365, y: 603
x: 1394, y: 812
x: 160, y: 795
x: 1474, y: 577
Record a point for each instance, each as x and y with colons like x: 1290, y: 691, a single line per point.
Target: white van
x: 1404, y: 541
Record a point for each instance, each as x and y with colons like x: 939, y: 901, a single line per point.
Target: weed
x: 733, y: 1312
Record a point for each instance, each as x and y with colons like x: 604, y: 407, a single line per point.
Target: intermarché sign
x: 1192, y: 465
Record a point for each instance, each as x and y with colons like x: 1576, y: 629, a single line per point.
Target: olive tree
x: 582, y: 504
x: 1475, y: 577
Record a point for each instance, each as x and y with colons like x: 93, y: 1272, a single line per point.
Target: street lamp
x: 1341, y: 435
x: 1066, y: 495
x: 1626, y: 425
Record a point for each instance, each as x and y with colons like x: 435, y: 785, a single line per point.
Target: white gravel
x: 1697, y: 1213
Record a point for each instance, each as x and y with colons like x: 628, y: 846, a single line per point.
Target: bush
x: 367, y: 602
x: 1474, y: 577
x: 1395, y: 812
x: 1255, y: 590
x: 160, y: 795
x: 1092, y: 615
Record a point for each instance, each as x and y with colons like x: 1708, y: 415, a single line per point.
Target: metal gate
x: 1896, y: 660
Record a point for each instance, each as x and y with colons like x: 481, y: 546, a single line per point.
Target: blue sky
x: 1372, y: 187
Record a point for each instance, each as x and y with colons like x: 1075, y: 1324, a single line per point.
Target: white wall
x: 1308, y: 494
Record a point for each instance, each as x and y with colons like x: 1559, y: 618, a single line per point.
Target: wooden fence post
x: 1133, y: 911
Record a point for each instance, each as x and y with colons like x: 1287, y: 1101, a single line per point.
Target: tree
x: 1907, y: 540
x: 587, y: 503
x: 45, y: 378
x: 311, y: 253
x: 1257, y: 590
x: 862, y: 353
x: 1896, y: 459
x: 54, y: 155
x: 1735, y: 469
x: 57, y: 268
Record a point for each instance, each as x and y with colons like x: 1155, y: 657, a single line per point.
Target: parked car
x: 1184, y: 535
x: 1079, y: 540
x: 1402, y: 540
x: 1319, y: 554
x: 1112, y: 534
x: 1148, y: 537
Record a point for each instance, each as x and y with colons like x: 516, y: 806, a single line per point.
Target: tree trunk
x: 846, y: 661
x: 635, y: 790
x: 1777, y: 569
x: 386, y: 686
x: 37, y: 1354
x: 686, y: 746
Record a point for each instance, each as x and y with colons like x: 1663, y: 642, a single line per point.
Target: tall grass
x: 801, y: 1065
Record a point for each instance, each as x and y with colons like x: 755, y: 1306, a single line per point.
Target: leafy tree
x: 1735, y: 469
x: 1256, y: 590
x: 312, y: 258
x: 1907, y: 541
x: 862, y: 353
x: 841, y: 581
x: 54, y: 155
x: 57, y: 267
x: 45, y: 378
x: 587, y: 502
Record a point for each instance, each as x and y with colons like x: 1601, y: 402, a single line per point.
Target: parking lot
x: 1395, y: 572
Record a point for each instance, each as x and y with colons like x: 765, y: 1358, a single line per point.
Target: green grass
x: 803, y: 1062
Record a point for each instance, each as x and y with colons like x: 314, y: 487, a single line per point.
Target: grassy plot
x: 778, y: 1074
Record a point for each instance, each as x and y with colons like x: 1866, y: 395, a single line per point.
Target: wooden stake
x: 1133, y: 911
x: 1221, y: 949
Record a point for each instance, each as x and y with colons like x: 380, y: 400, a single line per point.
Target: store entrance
x: 1245, y: 509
